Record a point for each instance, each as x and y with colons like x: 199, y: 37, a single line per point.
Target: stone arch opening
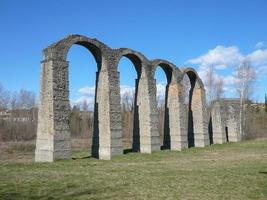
x: 163, y: 110
x: 97, y: 54
x: 210, y: 130
x: 130, y: 131
x: 128, y: 76
x: 197, y: 120
x: 190, y: 136
x: 226, y: 134
x: 82, y: 65
x: 161, y: 87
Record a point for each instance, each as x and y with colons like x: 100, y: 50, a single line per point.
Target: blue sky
x: 196, y: 33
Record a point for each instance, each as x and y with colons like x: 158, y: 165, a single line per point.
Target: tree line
x: 18, y: 115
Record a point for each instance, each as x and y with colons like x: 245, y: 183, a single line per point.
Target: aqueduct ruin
x: 187, y: 126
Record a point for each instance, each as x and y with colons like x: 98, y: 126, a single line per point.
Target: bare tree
x: 210, y: 83
x: 4, y: 97
x: 127, y: 114
x: 26, y: 99
x: 245, y: 76
x: 219, y: 91
x: 14, y: 101
x: 127, y: 101
x: 85, y: 106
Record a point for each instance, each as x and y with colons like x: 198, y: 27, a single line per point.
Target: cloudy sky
x: 187, y: 33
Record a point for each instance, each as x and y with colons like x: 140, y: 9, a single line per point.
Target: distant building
x: 19, y: 115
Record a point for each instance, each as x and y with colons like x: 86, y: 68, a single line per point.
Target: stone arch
x: 197, y: 119
x: 168, y: 68
x: 138, y: 59
x: 59, y: 50
x: 53, y: 133
x: 146, y: 135
x: 193, y: 76
x: 174, y: 132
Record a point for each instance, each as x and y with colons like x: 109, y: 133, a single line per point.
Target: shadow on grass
x: 126, y: 151
x: 263, y: 172
x: 80, y: 158
x: 164, y: 148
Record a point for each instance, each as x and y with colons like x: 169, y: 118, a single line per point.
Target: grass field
x: 228, y: 171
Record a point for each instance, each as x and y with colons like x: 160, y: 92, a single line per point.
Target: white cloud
x: 89, y: 100
x: 87, y: 90
x: 226, y: 58
x: 161, y: 87
x: 228, y: 80
x: 220, y: 57
x: 126, y: 89
x: 80, y: 100
x: 258, y: 58
x: 259, y: 45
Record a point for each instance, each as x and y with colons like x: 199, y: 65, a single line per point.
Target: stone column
x: 154, y: 120
x: 115, y: 109
x: 53, y: 132
x: 233, y: 121
x: 148, y: 115
x: 218, y: 124
x: 177, y: 117
x: 109, y: 132
x: 200, y: 120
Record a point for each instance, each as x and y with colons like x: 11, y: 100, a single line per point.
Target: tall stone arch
x: 53, y: 132
x: 174, y: 120
x: 146, y: 134
x: 197, y: 111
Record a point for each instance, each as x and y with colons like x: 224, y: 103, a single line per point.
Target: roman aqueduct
x: 186, y: 126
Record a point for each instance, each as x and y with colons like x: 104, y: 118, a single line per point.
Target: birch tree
x: 245, y: 76
x: 219, y: 91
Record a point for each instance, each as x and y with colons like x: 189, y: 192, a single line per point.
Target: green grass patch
x: 228, y: 171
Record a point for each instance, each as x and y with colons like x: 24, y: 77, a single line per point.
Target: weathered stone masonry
x: 226, y: 121
x: 183, y: 127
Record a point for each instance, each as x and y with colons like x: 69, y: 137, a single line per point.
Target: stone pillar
x: 218, y: 123
x: 53, y: 132
x: 148, y: 115
x: 234, y: 132
x: 115, y: 110
x: 233, y: 121
x: 177, y: 117
x: 109, y: 133
x: 200, y: 120
x: 154, y: 120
